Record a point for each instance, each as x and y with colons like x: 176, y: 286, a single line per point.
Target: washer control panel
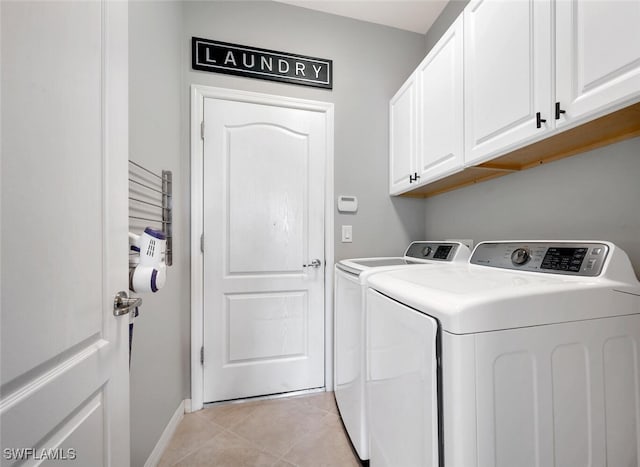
x: 432, y: 250
x: 578, y: 259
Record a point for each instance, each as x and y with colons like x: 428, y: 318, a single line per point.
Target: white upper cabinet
x: 440, y: 108
x: 597, y: 57
x: 507, y: 75
x: 402, y: 137
x: 426, y: 117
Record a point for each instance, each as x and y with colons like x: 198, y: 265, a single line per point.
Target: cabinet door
x: 440, y: 108
x: 402, y: 137
x: 507, y: 60
x: 597, y: 57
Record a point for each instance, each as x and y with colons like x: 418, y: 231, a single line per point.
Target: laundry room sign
x: 252, y: 62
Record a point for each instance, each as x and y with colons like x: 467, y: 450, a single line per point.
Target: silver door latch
x: 316, y: 263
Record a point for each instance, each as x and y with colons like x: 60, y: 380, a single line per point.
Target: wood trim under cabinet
x: 617, y: 126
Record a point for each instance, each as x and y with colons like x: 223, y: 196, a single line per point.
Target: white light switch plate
x: 347, y: 234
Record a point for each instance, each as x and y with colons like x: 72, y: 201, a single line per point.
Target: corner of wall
x: 167, y: 434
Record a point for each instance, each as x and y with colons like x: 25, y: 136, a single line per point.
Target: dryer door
x: 401, y: 384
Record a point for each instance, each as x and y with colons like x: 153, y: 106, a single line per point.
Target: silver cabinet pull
x: 122, y: 304
x: 316, y: 263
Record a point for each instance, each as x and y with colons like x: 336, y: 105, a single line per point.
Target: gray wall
x: 446, y: 18
x: 370, y: 64
x: 593, y: 195
x: 160, y: 358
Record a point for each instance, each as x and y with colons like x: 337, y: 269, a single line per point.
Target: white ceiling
x: 416, y: 16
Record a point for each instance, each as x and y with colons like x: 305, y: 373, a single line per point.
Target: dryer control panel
x: 437, y: 251
x: 572, y: 258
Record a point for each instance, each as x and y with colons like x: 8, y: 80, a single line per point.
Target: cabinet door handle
x: 559, y: 111
x: 414, y: 177
x: 539, y: 120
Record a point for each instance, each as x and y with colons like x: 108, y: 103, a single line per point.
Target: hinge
x: 202, y: 243
x: 202, y: 129
x: 202, y: 355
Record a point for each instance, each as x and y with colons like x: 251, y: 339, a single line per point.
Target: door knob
x: 316, y: 263
x: 122, y: 304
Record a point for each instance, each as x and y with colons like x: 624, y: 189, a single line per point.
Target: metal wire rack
x: 151, y: 201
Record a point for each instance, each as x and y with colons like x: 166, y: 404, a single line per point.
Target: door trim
x: 198, y: 94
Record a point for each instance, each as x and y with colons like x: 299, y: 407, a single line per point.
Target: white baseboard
x: 187, y: 406
x: 165, y: 438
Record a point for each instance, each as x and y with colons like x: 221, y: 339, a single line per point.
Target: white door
x: 402, y: 137
x: 263, y: 188
x: 64, y: 355
x: 440, y: 108
x: 597, y: 56
x: 507, y: 74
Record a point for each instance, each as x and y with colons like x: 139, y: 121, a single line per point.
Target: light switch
x: 347, y: 234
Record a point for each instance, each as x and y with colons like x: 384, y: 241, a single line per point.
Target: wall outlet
x: 465, y: 241
x: 347, y: 234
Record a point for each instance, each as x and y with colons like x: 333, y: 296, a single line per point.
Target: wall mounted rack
x: 151, y: 201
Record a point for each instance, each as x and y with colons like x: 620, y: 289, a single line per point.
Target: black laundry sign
x: 233, y: 59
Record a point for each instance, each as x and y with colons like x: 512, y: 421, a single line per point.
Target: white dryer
x: 349, y: 343
x: 528, y: 356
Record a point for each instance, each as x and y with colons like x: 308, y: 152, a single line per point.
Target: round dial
x: 426, y: 251
x: 520, y: 256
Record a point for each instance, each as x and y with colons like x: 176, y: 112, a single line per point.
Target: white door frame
x: 198, y: 94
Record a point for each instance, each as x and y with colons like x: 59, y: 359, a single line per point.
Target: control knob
x: 426, y: 251
x: 520, y: 256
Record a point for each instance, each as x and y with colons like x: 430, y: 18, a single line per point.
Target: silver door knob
x: 122, y: 304
x: 316, y: 263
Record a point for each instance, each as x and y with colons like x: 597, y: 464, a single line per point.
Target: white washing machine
x: 529, y: 356
x: 349, y: 356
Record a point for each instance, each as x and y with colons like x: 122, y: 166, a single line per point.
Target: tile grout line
x: 283, y: 457
x: 196, y: 414
x: 297, y: 401
x: 253, y: 444
x: 230, y: 429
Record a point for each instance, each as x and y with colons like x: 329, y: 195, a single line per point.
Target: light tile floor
x: 303, y: 431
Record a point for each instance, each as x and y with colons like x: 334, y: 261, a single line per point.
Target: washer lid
x: 416, y: 253
x: 378, y: 262
x: 358, y: 265
x: 471, y: 298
